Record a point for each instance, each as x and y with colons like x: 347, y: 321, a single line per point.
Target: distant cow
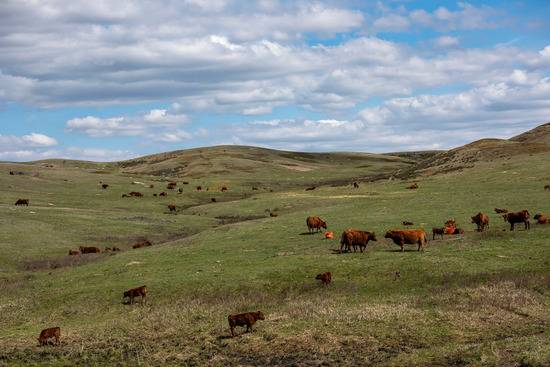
x: 172, y: 207
x: 136, y: 194
x: 104, y: 186
x: 407, y: 223
x: 13, y: 173
x: 413, y: 186
x: 116, y: 249
x: 325, y: 278
x: 142, y: 243
x: 155, y: 195
x: 124, y: 195
x: 185, y: 183
x: 50, y: 333
x: 315, y: 223
x: 89, y: 250
x: 22, y: 202
x: 199, y: 188
x: 519, y: 217
x: 107, y: 249
x: 180, y: 190
x: 247, y: 319
x: 273, y: 215
x: 254, y: 188
x: 74, y: 252
x: 163, y: 194
x: 354, y: 238
x: 151, y: 186
x: 402, y: 237
x: 224, y: 188
x: 311, y: 188
x: 213, y: 200
x: 356, y: 185
x: 135, y: 292
x: 481, y: 220
x: 547, y: 187
x: 458, y: 231
x: 501, y: 211
x: 171, y: 185
x: 541, y: 218
x: 438, y: 232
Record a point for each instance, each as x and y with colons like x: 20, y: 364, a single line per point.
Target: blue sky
x: 110, y: 80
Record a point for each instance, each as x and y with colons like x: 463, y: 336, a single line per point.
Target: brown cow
x: 481, y: 220
x: 224, y: 188
x: 315, y: 223
x: 22, y: 202
x: 273, y: 215
x: 501, y: 211
x: 163, y: 194
x: 413, y: 186
x: 199, y: 188
x: 438, y: 231
x: 458, y: 231
x: 213, y: 200
x: 89, y: 250
x: 547, y: 187
x: 136, y: 194
x: 247, y: 319
x: 116, y: 249
x: 180, y: 190
x: 356, y: 185
x: 171, y: 185
x: 407, y: 223
x: 541, y: 218
x: 354, y: 238
x: 74, y: 252
x: 311, y: 188
x: 402, y: 237
x: 104, y: 186
x: 50, y: 333
x: 254, y: 188
x: 142, y: 243
x: 519, y: 217
x: 185, y: 183
x: 325, y: 278
x: 172, y: 207
x: 135, y: 292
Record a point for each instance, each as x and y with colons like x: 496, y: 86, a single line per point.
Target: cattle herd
x: 350, y: 239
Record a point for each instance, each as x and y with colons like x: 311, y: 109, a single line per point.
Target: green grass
x: 480, y: 300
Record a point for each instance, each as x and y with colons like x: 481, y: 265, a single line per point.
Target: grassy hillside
x: 480, y: 299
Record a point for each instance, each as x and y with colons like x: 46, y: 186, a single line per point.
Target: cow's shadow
x: 308, y: 233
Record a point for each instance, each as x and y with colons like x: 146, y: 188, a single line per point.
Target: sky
x: 110, y: 80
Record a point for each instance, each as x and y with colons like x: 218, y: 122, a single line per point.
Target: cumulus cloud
x: 446, y: 41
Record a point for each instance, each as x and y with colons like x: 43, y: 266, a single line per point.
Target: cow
x: 254, y: 188
x: 136, y: 194
x: 547, y: 187
x: 151, y: 186
x: 541, y: 218
x: 481, y: 220
x: 354, y: 238
x: 438, y: 231
x: 171, y: 185
x: 142, y: 243
x: 124, y: 196
x: 155, y: 195
x: 273, y: 215
x: 413, y: 186
x: 501, y: 211
x: 519, y: 217
x: 213, y: 200
x: 163, y: 194
x: 355, y: 185
x: 104, y: 186
x: 199, y: 188
x: 180, y: 190
x: 172, y: 207
x: 407, y: 223
x: 310, y: 188
x: 89, y: 250
x: 135, y: 292
x: 116, y: 249
x: 315, y: 223
x: 224, y: 188
x: 247, y: 319
x: 13, y: 173
x: 74, y: 252
x: 402, y: 237
x: 50, y: 333
x: 458, y: 231
x: 325, y: 278
x: 22, y: 202
x: 185, y: 183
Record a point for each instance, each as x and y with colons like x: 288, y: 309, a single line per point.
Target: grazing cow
x: 356, y: 185
x: 247, y: 319
x: 199, y: 188
x: 213, y: 200
x: 224, y: 188
x: 402, y: 237
x: 519, y: 217
x: 185, y: 183
x: 273, y: 215
x: 311, y: 188
x: 329, y: 235
x: 116, y: 249
x: 407, y: 223
x: 354, y: 238
x: 136, y: 194
x: 541, y: 218
x: 104, y: 186
x: 142, y: 243
x: 163, y: 194
x: 481, y: 220
x: 501, y: 211
x: 22, y: 202
x: 171, y: 185
x: 180, y: 190
x: 89, y: 250
x: 124, y: 196
x: 13, y: 173
x: 438, y: 231
x: 254, y: 188
x: 172, y: 207
x: 413, y: 186
x: 135, y: 292
x: 547, y: 187
x: 50, y: 333
x: 315, y: 223
x: 74, y: 252
x: 325, y: 278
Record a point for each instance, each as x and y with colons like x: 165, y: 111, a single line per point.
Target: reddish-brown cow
x: 482, y: 221
x: 325, y: 278
x: 89, y: 250
x: 136, y: 292
x: 247, y: 319
x: 354, y: 238
x: 315, y: 223
x: 518, y: 217
x: 50, y: 333
x: 402, y: 237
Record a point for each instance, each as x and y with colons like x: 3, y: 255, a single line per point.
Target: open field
x: 480, y: 300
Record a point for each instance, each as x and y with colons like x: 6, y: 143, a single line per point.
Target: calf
x: 354, y: 238
x: 501, y: 211
x: 325, y: 278
x: 482, y: 221
x: 74, y: 252
x: 172, y: 207
x: 135, y: 292
x: 199, y: 188
x: 315, y: 223
x: 89, y: 250
x: 438, y: 231
x: 247, y: 319
x: 518, y: 217
x: 50, y: 333
x: 402, y: 237
x: 22, y: 202
x: 541, y: 218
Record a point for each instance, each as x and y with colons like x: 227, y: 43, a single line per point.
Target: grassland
x: 480, y: 300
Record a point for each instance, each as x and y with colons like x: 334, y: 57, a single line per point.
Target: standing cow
x: 482, y: 221
x: 402, y: 237
x: 315, y: 223
x: 50, y: 333
x: 519, y: 217
x: 22, y: 202
x: 135, y: 292
x: 247, y: 319
x: 354, y: 238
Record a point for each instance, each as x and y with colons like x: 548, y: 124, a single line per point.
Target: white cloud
x: 446, y: 41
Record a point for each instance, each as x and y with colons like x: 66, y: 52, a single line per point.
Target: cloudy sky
x: 107, y: 80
